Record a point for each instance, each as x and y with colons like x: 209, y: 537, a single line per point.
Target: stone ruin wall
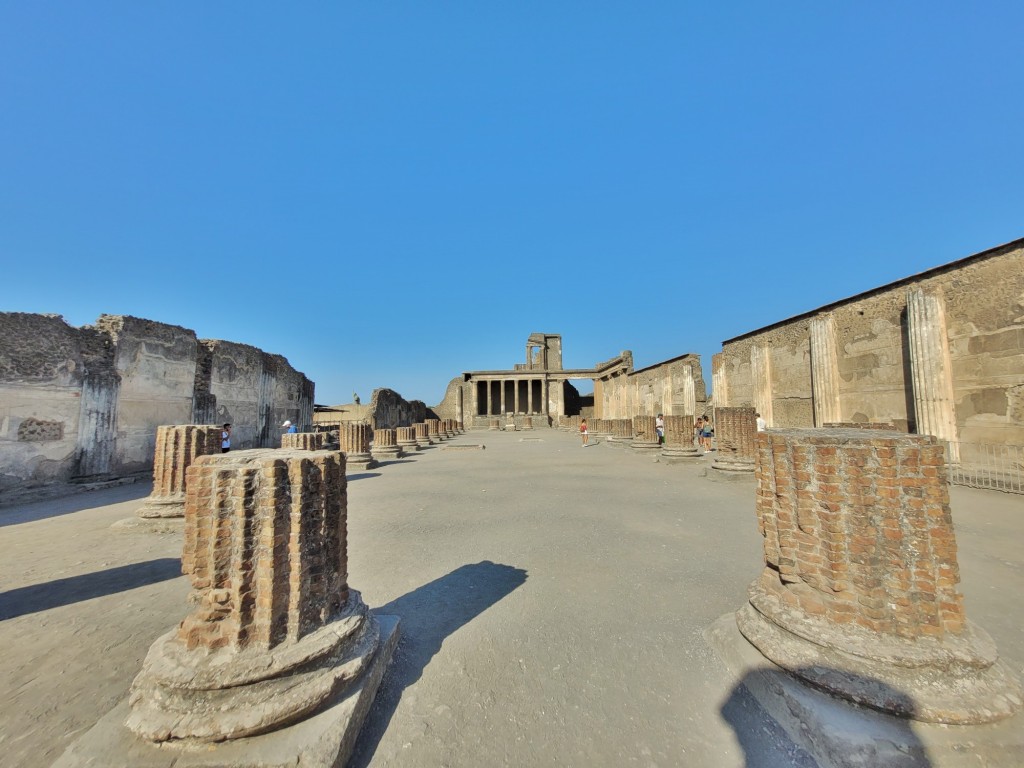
x: 674, y: 387
x: 984, y: 310
x: 389, y: 410
x: 448, y: 407
x: 86, y: 402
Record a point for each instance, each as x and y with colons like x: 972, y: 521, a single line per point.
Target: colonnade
x: 519, y: 395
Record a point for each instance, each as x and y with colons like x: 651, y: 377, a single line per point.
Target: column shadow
x: 429, y: 614
x: 767, y: 744
x: 53, y: 594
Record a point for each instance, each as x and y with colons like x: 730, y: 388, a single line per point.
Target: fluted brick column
x: 423, y: 434
x: 679, y: 445
x: 434, y: 430
x: 385, y: 445
x: 645, y: 436
x: 735, y: 440
x: 858, y: 595
x: 354, y: 438
x: 304, y: 441
x: 406, y: 439
x: 176, y: 448
x: 266, y: 551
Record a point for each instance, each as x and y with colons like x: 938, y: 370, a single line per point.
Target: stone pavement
x: 553, y: 601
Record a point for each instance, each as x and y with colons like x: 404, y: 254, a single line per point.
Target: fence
x: 999, y: 467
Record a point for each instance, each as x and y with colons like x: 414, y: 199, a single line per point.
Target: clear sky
x: 390, y: 193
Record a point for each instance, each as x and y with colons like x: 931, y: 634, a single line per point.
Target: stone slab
x: 324, y: 740
x: 472, y: 447
x: 840, y: 734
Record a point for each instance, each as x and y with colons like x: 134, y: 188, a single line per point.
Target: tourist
x: 762, y: 425
x: 705, y: 435
x: 225, y: 439
x: 290, y: 428
x: 659, y: 427
x: 583, y: 432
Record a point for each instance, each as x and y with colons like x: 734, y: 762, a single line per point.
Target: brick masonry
x: 859, y: 589
x: 304, y: 441
x: 735, y: 439
x: 177, y: 447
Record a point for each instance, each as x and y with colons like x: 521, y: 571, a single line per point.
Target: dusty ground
x: 552, y: 601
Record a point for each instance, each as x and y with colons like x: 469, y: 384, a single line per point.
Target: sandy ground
x: 552, y: 600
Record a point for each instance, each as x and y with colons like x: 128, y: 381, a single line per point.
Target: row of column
x: 534, y: 400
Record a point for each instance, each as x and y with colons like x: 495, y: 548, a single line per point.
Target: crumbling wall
x: 84, y: 403
x: 389, y: 410
x: 673, y: 387
x: 448, y: 407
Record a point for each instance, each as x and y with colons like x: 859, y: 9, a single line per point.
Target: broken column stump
x: 354, y: 439
x: 858, y: 595
x: 645, y: 436
x: 303, y: 441
x: 735, y: 441
x: 280, y: 659
x: 405, y: 437
x: 385, y: 445
x: 422, y: 435
x: 679, y: 445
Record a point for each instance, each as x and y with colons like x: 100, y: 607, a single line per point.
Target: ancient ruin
x: 422, y: 434
x: 678, y: 444
x: 645, y: 438
x: 735, y: 440
x: 858, y: 595
x: 304, y: 441
x: 434, y: 430
x: 354, y: 438
x: 176, y: 448
x: 385, y: 445
x: 276, y: 635
x: 405, y: 438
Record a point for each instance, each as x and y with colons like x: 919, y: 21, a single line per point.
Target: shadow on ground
x: 429, y: 614
x: 362, y: 476
x: 65, y: 500
x: 766, y: 744
x: 53, y: 594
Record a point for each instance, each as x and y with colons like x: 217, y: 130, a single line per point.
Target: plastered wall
x: 86, y: 402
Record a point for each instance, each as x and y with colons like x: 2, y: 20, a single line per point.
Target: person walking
x: 289, y: 428
x: 583, y: 432
x: 659, y: 427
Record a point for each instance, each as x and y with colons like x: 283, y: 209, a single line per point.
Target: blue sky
x: 391, y: 193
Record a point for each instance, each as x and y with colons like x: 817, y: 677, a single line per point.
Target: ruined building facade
x: 542, y: 387
x: 939, y: 353
x: 86, y: 402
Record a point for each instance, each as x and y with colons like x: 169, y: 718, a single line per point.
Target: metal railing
x: 999, y: 467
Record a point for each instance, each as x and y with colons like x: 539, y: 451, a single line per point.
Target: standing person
x: 290, y: 428
x: 659, y: 427
x: 583, y: 432
x: 225, y: 439
x: 705, y: 435
x: 762, y: 425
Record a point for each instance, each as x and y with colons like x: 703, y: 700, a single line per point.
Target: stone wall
x: 673, y: 387
x: 861, y: 351
x: 86, y: 402
x: 389, y: 410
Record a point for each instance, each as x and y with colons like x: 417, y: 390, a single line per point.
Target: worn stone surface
x: 858, y: 594
x: 385, y: 444
x: 354, y: 438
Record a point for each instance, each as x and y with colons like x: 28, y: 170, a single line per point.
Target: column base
x: 323, y: 740
x: 646, y: 447
x: 409, y: 447
x: 679, y: 455
x: 163, y: 506
x: 357, y: 462
x: 734, y: 465
x: 387, y: 453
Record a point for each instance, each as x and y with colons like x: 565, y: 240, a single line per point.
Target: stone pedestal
x: 527, y: 423
x: 645, y: 436
x: 303, y: 441
x: 405, y: 437
x: 735, y: 441
x: 385, y: 445
x: 354, y: 438
x: 176, y: 448
x: 422, y: 435
x: 494, y: 425
x: 858, y: 596
x: 279, y: 658
x: 678, y: 446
